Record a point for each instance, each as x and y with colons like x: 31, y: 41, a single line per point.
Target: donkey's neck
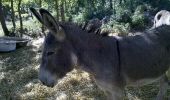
x: 82, y: 41
x: 94, y: 52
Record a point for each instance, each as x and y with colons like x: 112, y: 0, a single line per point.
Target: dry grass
x: 19, y: 81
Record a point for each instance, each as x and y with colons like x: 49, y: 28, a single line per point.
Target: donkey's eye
x: 50, y: 53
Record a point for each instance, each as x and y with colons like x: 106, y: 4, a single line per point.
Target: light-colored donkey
x: 162, y: 18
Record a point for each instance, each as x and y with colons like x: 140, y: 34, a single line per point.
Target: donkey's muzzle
x: 47, y: 78
x: 48, y: 84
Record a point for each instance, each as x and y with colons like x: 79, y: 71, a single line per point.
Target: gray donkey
x: 114, y: 62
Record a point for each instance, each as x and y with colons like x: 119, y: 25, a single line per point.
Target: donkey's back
x: 145, y: 56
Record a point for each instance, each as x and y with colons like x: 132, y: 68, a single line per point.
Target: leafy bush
x: 138, y: 19
x: 101, y: 13
x: 122, y: 29
x: 117, y: 28
x: 123, y: 15
x: 97, y: 13
x: 78, y: 18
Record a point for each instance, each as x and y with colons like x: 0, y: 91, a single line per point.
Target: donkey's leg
x: 162, y: 88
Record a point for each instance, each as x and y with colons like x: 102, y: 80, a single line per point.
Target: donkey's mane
x: 75, y: 29
x: 70, y: 25
x: 158, y: 30
x: 76, y: 25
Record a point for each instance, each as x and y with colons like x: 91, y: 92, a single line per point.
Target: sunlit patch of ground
x: 19, y: 80
x: 1, y: 31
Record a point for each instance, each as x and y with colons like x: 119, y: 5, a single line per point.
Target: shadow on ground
x: 17, y: 69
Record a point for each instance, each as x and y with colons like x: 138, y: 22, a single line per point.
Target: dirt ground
x: 19, y: 80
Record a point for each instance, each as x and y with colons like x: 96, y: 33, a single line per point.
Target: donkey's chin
x: 49, y: 82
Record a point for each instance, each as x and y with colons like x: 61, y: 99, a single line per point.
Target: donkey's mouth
x: 49, y: 84
x: 48, y: 79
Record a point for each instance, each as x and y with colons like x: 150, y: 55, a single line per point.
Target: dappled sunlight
x: 17, y: 68
x: 37, y: 43
x: 2, y: 75
x: 37, y: 90
x: 61, y: 96
x: 103, y: 21
x: 19, y: 78
x: 132, y: 97
x: 1, y: 31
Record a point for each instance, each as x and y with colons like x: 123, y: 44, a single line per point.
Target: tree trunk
x: 2, y: 20
x: 66, y: 6
x: 40, y: 3
x: 62, y: 12
x: 111, y: 4
x: 57, y: 9
x: 120, y: 2
x: 13, y: 15
x: 42, y: 26
x: 103, y: 2
x: 114, y: 8
x: 20, y: 18
x: 131, y: 6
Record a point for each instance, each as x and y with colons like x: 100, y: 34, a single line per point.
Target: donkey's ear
x: 50, y: 22
x: 37, y: 15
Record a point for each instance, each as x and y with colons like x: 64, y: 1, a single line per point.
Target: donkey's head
x: 57, y: 54
x: 162, y: 18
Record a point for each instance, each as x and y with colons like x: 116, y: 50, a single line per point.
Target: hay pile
x: 19, y: 79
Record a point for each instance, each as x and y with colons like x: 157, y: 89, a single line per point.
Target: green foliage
x: 138, y: 19
x: 89, y: 10
x: 126, y: 13
x: 113, y: 26
x: 78, y: 18
x: 122, y: 29
x: 123, y: 15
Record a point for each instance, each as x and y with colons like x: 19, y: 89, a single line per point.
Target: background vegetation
x: 125, y: 15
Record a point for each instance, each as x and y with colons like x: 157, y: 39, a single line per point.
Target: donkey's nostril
x: 47, y: 78
x: 50, y: 85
